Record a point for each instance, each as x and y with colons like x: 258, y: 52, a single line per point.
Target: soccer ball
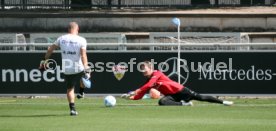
x: 109, y: 101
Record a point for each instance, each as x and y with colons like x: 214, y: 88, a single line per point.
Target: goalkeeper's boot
x: 228, y: 103
x: 190, y: 103
x: 73, y: 113
x: 80, y: 96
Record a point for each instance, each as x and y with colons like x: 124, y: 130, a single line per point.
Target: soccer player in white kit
x: 74, y: 60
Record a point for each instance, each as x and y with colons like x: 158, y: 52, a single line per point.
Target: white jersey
x: 70, y: 46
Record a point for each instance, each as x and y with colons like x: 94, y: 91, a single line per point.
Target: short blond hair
x: 73, y: 25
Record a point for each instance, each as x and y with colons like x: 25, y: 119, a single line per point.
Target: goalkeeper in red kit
x: 174, y: 93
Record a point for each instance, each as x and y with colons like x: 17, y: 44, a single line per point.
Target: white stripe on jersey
x: 70, y: 46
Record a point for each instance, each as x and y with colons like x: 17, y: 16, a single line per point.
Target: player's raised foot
x: 80, y: 96
x: 228, y: 103
x: 190, y: 103
x: 73, y: 113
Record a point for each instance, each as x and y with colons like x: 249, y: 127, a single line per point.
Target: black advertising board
x: 117, y: 72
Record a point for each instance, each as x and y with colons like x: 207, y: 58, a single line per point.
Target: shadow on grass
x: 39, y: 115
x: 136, y: 105
x: 130, y: 105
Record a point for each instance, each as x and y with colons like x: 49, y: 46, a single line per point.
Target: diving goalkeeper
x: 174, y: 93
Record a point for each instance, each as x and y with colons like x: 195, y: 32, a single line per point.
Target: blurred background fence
x: 89, y: 4
x: 153, y: 41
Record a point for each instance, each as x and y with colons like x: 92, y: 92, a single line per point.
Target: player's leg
x: 71, y: 101
x: 71, y: 81
x: 168, y: 100
x: 213, y: 100
x: 206, y: 98
x: 195, y: 96
x: 81, y: 91
x: 82, y: 85
x: 172, y: 101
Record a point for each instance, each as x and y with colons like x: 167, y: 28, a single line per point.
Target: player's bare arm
x: 84, y: 58
x: 136, y: 92
x: 50, y: 51
x: 47, y: 56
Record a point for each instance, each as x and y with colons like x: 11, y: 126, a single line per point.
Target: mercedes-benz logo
x: 172, y: 72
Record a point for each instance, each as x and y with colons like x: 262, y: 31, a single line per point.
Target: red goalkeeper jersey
x: 161, y: 82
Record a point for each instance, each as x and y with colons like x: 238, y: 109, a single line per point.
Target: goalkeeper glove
x: 86, y: 78
x: 128, y: 95
x: 87, y: 73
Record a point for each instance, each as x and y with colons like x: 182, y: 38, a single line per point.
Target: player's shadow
x: 43, y: 115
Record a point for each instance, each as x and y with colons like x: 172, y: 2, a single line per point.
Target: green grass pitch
x: 51, y: 114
